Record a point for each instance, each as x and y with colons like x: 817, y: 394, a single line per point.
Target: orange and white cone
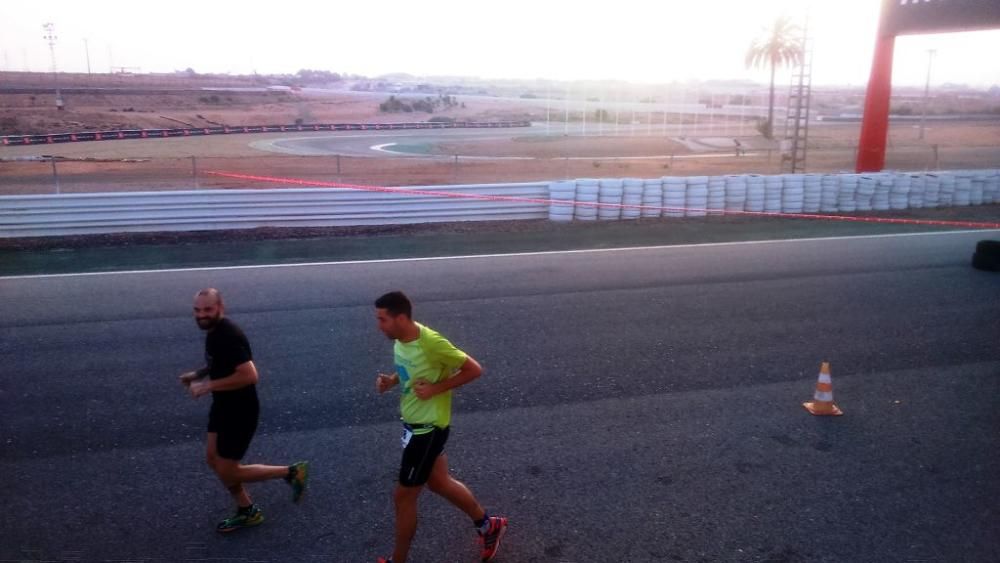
x: 822, y: 403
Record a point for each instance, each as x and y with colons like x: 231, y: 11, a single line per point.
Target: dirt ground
x: 182, y: 163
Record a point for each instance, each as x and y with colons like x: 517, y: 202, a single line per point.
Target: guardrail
x: 94, y: 213
x: 50, y: 138
x: 581, y: 200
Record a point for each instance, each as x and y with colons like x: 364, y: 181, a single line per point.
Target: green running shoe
x: 299, y: 480
x: 243, y: 519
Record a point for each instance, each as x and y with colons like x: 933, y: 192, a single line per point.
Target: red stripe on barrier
x: 487, y: 197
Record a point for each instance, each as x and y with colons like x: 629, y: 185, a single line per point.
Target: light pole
x: 566, y: 111
x: 86, y: 50
x: 618, y: 107
x: 50, y: 36
x: 548, y: 107
x: 927, y: 91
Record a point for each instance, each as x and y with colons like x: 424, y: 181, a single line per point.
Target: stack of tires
x: 565, y: 193
x: 716, y: 195
x: 772, y: 194
x: 918, y: 191
x: 884, y: 184
x: 847, y: 193
x: 652, y: 198
x: 674, y: 196
x: 987, y: 256
x: 932, y: 191
x: 632, y: 196
x: 610, y: 196
x: 946, y: 195
x: 813, y: 189
x: 793, y: 196
x: 865, y: 193
x: 756, y: 194
x: 977, y: 193
x: 993, y: 187
x: 828, y: 200
x: 736, y: 193
x: 899, y: 193
x: 963, y: 190
x: 697, y: 196
x: 587, y: 193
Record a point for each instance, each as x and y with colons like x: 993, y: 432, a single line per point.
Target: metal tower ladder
x: 799, y: 103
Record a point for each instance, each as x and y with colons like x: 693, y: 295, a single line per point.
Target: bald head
x: 210, y: 293
x: 208, y: 308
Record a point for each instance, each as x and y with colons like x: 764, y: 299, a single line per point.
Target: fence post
x: 194, y: 172
x: 55, y: 175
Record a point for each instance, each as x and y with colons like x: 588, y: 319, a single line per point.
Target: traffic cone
x: 822, y: 403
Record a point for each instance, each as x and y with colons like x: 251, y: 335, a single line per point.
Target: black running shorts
x: 234, y: 430
x: 419, y: 456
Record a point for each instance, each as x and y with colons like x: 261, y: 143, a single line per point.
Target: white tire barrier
x: 756, y: 193
x: 899, y: 193
x: 813, y: 200
x: 918, y: 191
x: 847, y: 195
x: 736, y: 193
x: 932, y: 191
x: 77, y: 214
x: 977, y: 193
x: 674, y: 196
x: 828, y: 200
x: 697, y: 196
x: 963, y: 191
x: 884, y: 184
x: 793, y: 193
x: 716, y: 195
x: 611, y: 193
x: 947, y: 194
x: 652, y: 198
x: 773, y: 188
x: 632, y: 196
x: 587, y: 192
x: 562, y: 191
x: 865, y: 193
x: 992, y: 194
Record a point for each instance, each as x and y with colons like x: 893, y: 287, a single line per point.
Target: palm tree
x: 780, y: 45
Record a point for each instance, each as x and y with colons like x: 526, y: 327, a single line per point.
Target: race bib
x: 405, y: 439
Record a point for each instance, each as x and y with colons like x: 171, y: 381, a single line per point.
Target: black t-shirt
x: 226, y: 347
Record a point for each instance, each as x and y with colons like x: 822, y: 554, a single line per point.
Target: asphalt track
x: 381, y: 143
x: 421, y: 145
x: 637, y: 405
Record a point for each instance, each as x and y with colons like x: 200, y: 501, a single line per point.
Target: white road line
x: 488, y: 256
x: 383, y: 149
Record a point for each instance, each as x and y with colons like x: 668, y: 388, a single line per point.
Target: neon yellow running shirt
x: 429, y: 357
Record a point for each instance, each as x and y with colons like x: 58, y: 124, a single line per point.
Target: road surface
x: 637, y: 405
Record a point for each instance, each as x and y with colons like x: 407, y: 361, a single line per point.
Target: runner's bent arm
x: 384, y: 382
x: 470, y: 370
x: 245, y: 374
x: 191, y: 376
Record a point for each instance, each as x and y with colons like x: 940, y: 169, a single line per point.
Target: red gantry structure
x: 911, y: 17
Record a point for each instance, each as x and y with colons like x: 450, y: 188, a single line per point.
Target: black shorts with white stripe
x: 419, y: 456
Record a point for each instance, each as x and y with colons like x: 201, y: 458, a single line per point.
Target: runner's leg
x: 405, y: 499
x: 454, y: 491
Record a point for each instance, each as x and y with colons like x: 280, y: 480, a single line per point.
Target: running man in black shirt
x: 232, y: 421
